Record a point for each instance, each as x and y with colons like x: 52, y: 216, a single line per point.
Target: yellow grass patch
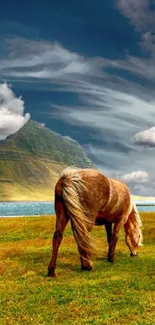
x: 122, y: 293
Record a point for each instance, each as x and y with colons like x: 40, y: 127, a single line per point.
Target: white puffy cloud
x: 12, y: 116
x: 146, y: 137
x: 138, y: 177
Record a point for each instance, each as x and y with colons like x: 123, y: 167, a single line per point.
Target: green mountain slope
x: 31, y: 161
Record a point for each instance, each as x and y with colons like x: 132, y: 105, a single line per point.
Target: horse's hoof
x: 86, y: 268
x: 51, y: 274
x: 111, y: 259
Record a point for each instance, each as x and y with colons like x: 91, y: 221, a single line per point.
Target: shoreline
x: 53, y: 215
x: 24, y: 201
x: 138, y: 203
x: 28, y: 216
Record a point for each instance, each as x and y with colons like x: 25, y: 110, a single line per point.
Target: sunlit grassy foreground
x: 122, y: 293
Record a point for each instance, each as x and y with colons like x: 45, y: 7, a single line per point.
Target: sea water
x: 8, y: 209
x: 11, y: 209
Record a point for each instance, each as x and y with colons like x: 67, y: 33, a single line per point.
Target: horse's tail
x: 72, y: 188
x: 134, y: 225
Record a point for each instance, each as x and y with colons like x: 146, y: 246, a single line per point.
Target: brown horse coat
x: 87, y: 197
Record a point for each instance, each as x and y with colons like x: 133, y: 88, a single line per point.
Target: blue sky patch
x: 87, y: 70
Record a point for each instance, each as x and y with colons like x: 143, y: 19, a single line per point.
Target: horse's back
x: 94, y: 191
x: 108, y: 196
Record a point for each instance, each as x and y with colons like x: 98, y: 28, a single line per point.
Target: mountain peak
x: 31, y: 160
x: 37, y: 140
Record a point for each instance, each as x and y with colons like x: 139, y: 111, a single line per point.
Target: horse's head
x: 133, y: 237
x: 133, y: 231
x: 134, y: 240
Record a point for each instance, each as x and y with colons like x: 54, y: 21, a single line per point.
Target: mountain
x: 31, y: 161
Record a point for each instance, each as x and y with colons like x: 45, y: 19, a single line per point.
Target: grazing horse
x: 86, y: 197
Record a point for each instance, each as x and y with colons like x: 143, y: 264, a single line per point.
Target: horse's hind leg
x: 61, y: 222
x: 113, y: 241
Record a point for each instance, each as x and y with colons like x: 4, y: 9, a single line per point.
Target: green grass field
x: 119, y: 293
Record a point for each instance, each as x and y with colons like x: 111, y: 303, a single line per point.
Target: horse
x: 86, y: 197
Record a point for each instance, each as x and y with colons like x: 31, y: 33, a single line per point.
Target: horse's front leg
x: 61, y: 222
x: 113, y: 241
x: 108, y: 227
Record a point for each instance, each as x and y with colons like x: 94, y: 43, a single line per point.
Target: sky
x: 85, y: 69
